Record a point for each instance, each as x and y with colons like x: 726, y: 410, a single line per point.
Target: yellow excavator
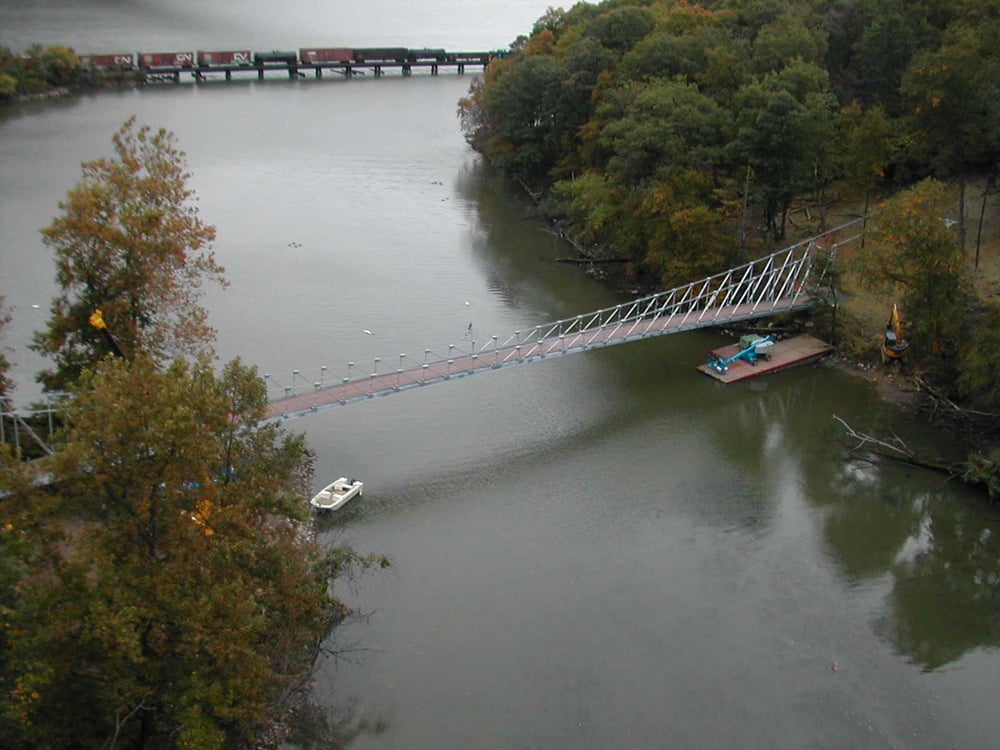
x: 97, y: 321
x: 894, y: 345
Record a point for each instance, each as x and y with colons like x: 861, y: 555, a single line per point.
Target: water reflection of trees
x: 936, y: 543
x: 516, y: 251
x: 315, y: 727
x: 946, y: 592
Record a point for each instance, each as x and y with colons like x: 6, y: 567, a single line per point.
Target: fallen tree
x: 896, y: 449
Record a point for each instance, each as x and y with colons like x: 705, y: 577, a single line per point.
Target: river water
x: 603, y: 550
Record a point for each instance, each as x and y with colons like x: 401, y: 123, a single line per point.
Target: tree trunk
x: 961, y: 212
x: 990, y: 179
x: 864, y: 221
x: 746, y: 203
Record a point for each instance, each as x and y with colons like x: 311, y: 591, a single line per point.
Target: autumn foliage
x: 166, y: 592
x: 129, y: 242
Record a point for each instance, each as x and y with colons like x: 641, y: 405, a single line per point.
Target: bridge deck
x: 382, y: 384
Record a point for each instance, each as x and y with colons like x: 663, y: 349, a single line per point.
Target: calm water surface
x: 605, y: 550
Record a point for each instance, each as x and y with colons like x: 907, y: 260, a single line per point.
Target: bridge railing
x: 35, y: 425
x: 781, y: 278
x: 778, y: 281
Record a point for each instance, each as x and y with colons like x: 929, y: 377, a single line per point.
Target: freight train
x: 305, y: 56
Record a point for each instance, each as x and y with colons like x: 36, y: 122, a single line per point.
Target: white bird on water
x: 367, y: 332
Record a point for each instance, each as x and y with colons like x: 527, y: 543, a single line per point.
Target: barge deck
x: 790, y: 352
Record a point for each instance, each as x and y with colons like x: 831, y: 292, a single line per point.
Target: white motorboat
x: 336, y: 494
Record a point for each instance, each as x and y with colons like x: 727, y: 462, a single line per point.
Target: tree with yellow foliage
x: 129, y: 242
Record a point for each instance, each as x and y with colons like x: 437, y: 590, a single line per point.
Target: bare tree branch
x: 896, y: 449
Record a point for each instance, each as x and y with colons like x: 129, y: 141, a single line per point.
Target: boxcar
x: 472, y: 57
x: 433, y: 55
x: 123, y: 61
x: 166, y: 59
x: 275, y: 57
x: 380, y: 54
x: 235, y: 57
x: 324, y: 55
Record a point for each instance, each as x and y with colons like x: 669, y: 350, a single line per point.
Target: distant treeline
x: 666, y: 131
x: 38, y: 70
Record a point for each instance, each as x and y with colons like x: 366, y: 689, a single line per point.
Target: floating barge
x: 790, y: 352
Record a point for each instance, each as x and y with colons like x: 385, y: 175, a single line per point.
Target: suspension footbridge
x: 775, y: 284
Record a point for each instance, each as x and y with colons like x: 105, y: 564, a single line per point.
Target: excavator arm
x: 97, y: 321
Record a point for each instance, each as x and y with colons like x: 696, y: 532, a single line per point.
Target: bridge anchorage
x: 777, y: 283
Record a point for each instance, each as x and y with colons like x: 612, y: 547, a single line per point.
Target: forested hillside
x: 677, y: 134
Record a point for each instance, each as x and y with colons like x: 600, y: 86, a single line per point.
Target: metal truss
x: 777, y: 283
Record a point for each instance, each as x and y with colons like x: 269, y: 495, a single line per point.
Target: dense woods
x: 663, y: 131
x: 683, y: 137
x: 37, y: 70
